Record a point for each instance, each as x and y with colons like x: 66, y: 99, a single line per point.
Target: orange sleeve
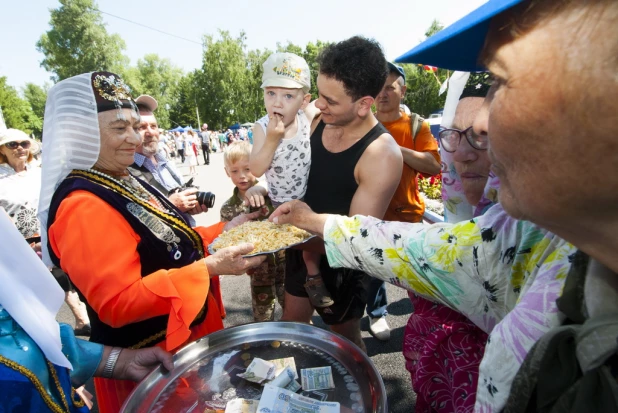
x: 426, y: 142
x: 209, y: 234
x: 98, y: 249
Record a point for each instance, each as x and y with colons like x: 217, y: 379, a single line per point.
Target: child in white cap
x: 281, y: 146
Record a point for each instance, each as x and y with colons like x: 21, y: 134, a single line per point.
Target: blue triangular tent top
x: 458, y: 46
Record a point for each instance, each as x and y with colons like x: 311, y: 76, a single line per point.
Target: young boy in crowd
x: 282, y: 149
x: 267, y: 280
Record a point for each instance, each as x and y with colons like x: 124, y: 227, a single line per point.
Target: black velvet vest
x: 159, y: 248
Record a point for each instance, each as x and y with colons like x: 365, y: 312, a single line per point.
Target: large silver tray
x: 205, y: 370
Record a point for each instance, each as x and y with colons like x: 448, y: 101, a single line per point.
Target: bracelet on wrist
x: 108, y: 370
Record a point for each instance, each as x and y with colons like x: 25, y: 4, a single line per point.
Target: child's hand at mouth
x: 276, y: 129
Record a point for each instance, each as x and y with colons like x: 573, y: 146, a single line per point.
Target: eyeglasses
x: 451, y: 138
x: 14, y: 145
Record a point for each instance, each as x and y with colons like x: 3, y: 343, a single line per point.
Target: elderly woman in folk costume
x: 42, y: 363
x: 550, y: 307
x: 143, y: 271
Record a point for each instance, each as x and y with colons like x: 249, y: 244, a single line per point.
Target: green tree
x: 310, y: 54
x: 423, y: 86
x: 255, y: 98
x: 17, y: 111
x: 78, y: 41
x: 182, y: 110
x: 227, y: 87
x: 158, y: 78
x: 434, y: 28
x: 221, y: 87
x: 36, y: 97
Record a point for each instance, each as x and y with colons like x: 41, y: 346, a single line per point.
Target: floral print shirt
x: 503, y: 274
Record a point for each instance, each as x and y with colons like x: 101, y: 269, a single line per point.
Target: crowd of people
x: 515, y: 294
x: 186, y: 145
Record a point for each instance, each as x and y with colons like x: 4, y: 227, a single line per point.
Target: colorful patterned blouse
x: 501, y: 273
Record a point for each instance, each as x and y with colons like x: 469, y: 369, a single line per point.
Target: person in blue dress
x: 41, y: 361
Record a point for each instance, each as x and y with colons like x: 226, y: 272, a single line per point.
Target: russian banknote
x: 293, y: 386
x: 258, y: 371
x: 317, y: 378
x: 278, y: 400
x: 284, y: 378
x: 281, y: 364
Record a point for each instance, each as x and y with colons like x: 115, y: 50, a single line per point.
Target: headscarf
x: 29, y: 292
x: 71, y: 137
x: 456, y: 207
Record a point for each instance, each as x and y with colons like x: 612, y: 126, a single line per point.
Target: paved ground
x: 385, y: 355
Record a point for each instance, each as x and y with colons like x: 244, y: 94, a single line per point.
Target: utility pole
x: 197, y: 112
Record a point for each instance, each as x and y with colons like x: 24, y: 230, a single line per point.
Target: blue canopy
x: 235, y: 126
x: 188, y: 128
x: 458, y: 46
x: 178, y: 129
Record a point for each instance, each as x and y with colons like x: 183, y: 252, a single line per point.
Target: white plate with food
x: 265, y: 236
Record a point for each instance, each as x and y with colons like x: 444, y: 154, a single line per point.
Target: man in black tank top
x: 355, y: 168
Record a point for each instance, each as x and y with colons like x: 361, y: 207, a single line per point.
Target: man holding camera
x: 154, y: 168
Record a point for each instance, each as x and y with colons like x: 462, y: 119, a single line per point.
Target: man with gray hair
x: 154, y: 168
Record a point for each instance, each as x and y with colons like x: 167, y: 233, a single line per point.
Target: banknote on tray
x: 278, y: 400
x: 293, y: 386
x: 284, y: 378
x: 318, y: 378
x: 258, y: 371
x: 281, y: 364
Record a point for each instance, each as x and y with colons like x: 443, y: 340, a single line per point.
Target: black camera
x: 205, y: 198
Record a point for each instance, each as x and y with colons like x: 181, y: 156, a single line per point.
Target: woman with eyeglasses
x: 20, y: 182
x: 483, y: 288
x: 435, y: 335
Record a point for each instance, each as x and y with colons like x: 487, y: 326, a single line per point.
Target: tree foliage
x: 435, y: 27
x: 423, y: 96
x: 423, y: 88
x: 225, y: 90
x: 227, y: 87
x: 17, y: 111
x: 158, y: 78
x: 310, y: 54
x: 78, y: 42
x: 221, y: 88
x: 182, y: 111
x: 36, y: 97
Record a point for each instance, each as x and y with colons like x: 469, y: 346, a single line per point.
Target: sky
x: 398, y: 25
